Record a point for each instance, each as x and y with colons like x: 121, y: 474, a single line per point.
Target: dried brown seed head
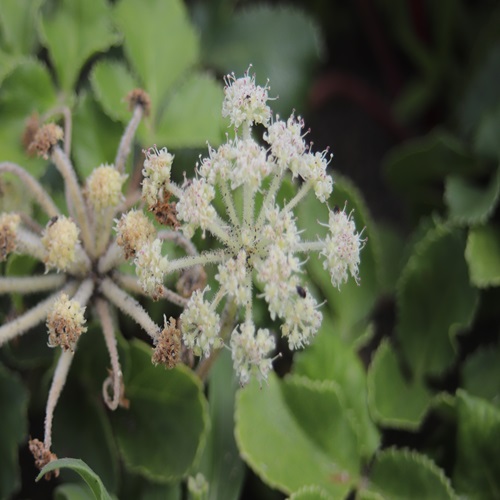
x: 45, y: 139
x: 139, y: 97
x: 42, y: 457
x: 168, y: 345
x: 165, y: 213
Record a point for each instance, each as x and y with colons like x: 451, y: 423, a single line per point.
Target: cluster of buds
x: 260, y: 251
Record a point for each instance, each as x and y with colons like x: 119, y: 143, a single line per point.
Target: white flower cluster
x: 260, y: 241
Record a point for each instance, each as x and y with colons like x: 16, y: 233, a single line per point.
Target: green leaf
x: 81, y: 428
x: 482, y: 94
x: 297, y: 433
x: 481, y: 374
x: 193, y: 114
x: 8, y: 63
x: 391, y: 254
x: 415, y: 166
x: 73, y: 491
x: 398, y: 474
x: 221, y: 464
x: 435, y: 301
x: 135, y: 486
x: 282, y: 44
x: 17, y: 19
x: 395, y: 401
x: 486, y: 137
x: 73, y: 32
x: 26, y: 90
x: 159, y: 41
x: 469, y: 204
x: 95, y: 136
x: 352, y: 305
x: 14, y: 428
x: 163, y: 431
x: 91, y: 478
x: 330, y: 358
x: 111, y: 81
x: 477, y: 468
x: 310, y: 493
x: 483, y: 256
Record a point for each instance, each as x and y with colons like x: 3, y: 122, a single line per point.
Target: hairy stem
x: 31, y: 284
x: 41, y: 196
x: 126, y: 141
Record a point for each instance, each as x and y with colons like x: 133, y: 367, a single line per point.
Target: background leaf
x: 397, y: 474
x: 159, y: 42
x: 330, y: 358
x: 14, y: 428
x: 282, y: 44
x: 469, y: 204
x: 220, y: 463
x: 166, y: 408
x: 313, y: 441
x: 395, y: 401
x: 80, y: 467
x: 477, y: 468
x: 435, y: 301
x: 483, y: 256
x: 74, y: 32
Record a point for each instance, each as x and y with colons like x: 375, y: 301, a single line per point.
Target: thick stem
x: 213, y: 257
x: 74, y: 197
x: 31, y: 284
x: 28, y: 243
x: 60, y: 376
x: 116, y: 376
x: 130, y: 306
x: 227, y: 325
x: 126, y: 141
x: 41, y: 196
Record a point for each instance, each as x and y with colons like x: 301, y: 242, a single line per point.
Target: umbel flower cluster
x: 257, y: 252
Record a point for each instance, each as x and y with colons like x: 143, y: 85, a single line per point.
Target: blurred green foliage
x: 417, y: 414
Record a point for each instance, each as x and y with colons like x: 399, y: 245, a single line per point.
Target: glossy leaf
x: 395, y: 401
x: 14, y: 428
x: 72, y: 33
x: 483, y: 256
x: 397, y: 474
x: 17, y: 18
x: 91, y: 478
x: 159, y: 41
x: 297, y: 433
x: 469, y: 204
x: 434, y: 302
x: 477, y: 468
x: 221, y: 464
x: 282, y: 44
x: 353, y: 303
x: 330, y: 358
x: 167, y: 414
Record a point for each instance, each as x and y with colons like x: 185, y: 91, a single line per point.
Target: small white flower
x: 156, y: 172
x: 342, y: 247
x: 151, y: 267
x: 200, y: 325
x: 250, y: 352
x: 232, y: 277
x: 244, y: 101
x: 194, y: 208
x: 287, y: 142
x: 302, y: 320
